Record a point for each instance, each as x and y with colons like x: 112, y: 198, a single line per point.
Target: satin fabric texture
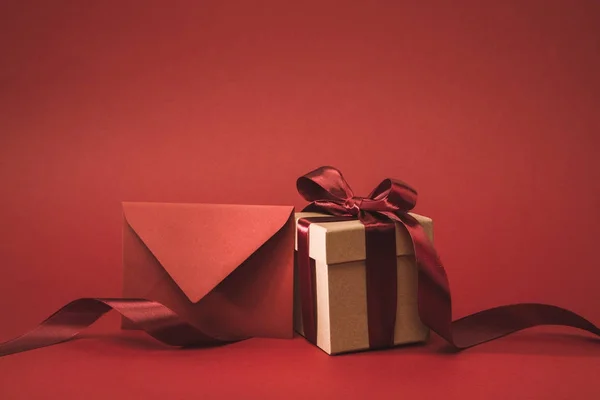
x: 328, y: 192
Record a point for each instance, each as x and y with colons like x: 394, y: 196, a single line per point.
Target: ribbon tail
x: 498, y: 322
x: 155, y: 319
x: 435, y: 303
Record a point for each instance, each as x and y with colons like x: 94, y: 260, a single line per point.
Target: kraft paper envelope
x: 227, y: 269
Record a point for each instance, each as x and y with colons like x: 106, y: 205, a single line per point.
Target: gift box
x: 337, y: 252
x: 225, y: 269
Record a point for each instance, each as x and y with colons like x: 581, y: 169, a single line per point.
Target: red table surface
x: 539, y: 364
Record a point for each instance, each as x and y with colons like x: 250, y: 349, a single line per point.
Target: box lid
x: 338, y: 242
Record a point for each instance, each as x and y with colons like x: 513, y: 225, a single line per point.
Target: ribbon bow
x: 387, y: 205
x: 327, y: 190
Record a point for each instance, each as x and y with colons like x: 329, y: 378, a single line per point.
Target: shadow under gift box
x: 338, y: 251
x: 226, y: 269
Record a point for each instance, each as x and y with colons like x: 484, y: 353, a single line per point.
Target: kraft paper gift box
x: 338, y: 251
x: 226, y: 269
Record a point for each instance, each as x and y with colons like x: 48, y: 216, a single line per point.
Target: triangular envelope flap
x: 199, y: 245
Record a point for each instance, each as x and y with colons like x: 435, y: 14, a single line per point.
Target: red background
x: 489, y: 110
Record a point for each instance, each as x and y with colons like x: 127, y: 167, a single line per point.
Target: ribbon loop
x: 394, y: 195
x: 324, y: 184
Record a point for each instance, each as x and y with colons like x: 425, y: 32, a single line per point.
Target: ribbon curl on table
x: 155, y: 319
x: 328, y: 192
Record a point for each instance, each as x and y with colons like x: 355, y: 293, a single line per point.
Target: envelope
x: 226, y: 269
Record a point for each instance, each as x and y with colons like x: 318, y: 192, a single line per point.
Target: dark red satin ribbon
x: 154, y: 318
x: 328, y: 192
